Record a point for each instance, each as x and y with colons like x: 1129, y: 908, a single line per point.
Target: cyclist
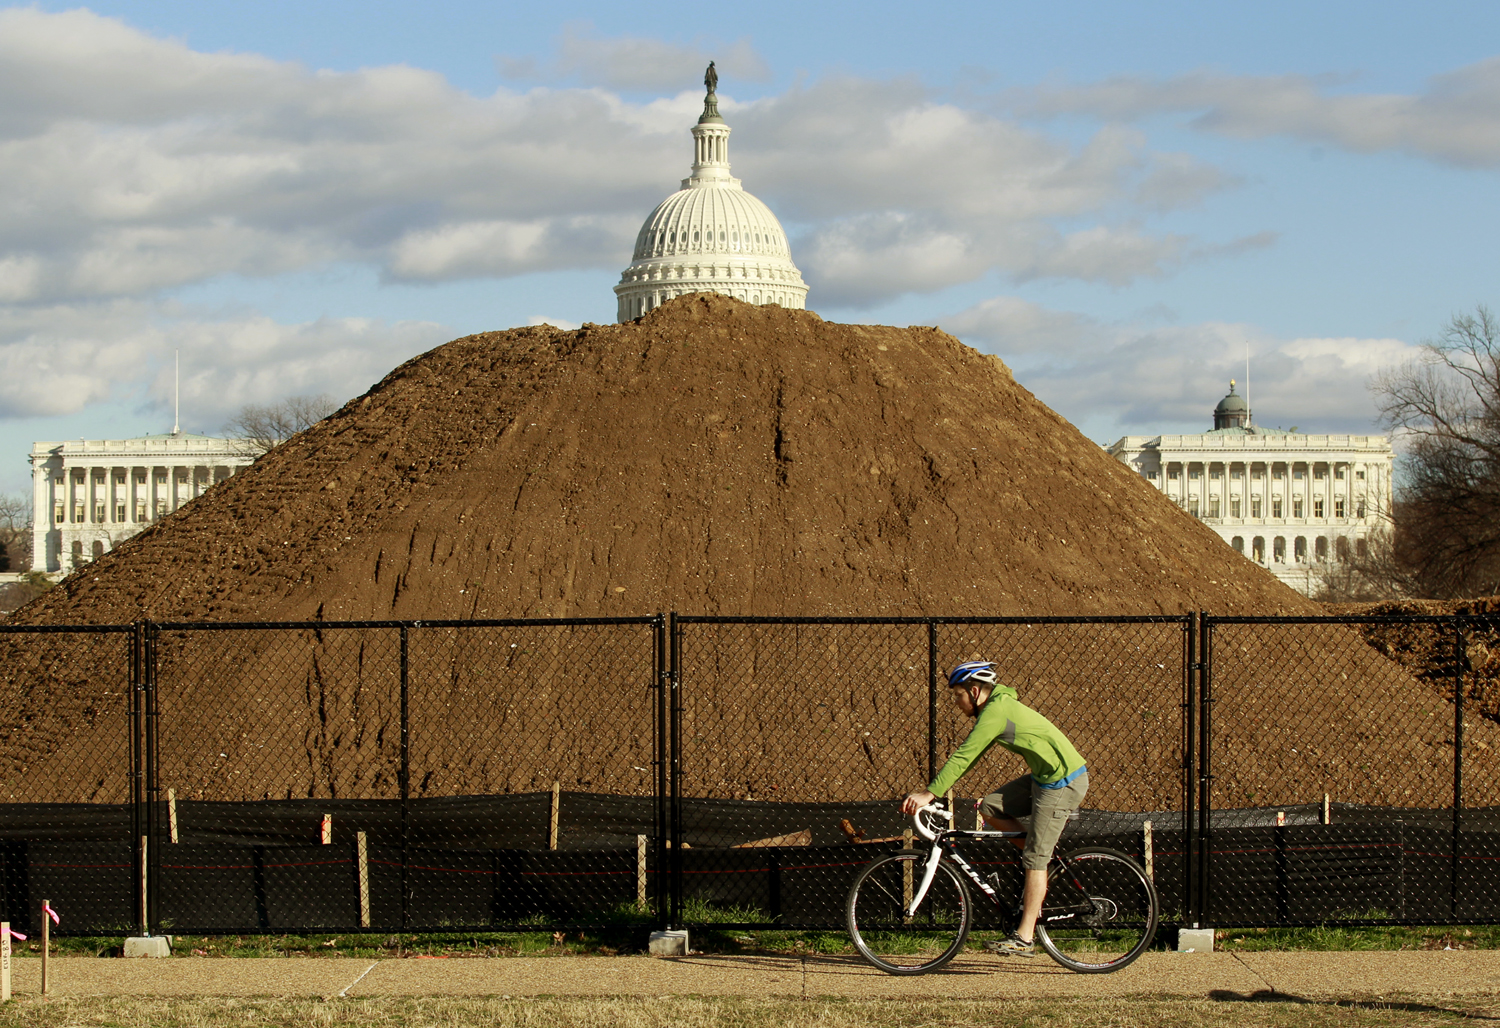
x: 1053, y: 790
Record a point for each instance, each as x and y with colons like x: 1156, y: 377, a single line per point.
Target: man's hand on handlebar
x: 916, y: 801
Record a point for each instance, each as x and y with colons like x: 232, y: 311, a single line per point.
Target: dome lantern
x: 710, y: 235
x: 1232, y: 411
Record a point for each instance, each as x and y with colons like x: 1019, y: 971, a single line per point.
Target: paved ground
x: 1221, y: 975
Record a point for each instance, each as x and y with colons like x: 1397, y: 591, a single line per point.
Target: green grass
x: 1337, y: 938
x: 1259, y: 1011
x: 631, y: 932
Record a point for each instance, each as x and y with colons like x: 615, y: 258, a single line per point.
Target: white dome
x: 710, y: 236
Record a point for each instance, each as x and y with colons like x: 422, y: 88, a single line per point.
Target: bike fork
x: 933, y: 858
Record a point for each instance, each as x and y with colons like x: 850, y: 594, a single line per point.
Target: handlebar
x: 930, y: 810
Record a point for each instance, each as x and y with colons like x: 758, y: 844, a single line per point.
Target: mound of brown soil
x: 1429, y: 651
x: 713, y: 457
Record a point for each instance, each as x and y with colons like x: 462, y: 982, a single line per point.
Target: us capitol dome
x: 710, y: 236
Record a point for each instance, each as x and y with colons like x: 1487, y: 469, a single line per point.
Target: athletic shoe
x: 1011, y: 946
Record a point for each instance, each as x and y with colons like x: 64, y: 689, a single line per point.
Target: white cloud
x: 88, y: 353
x: 135, y: 165
x: 900, y: 191
x: 1140, y: 379
x: 562, y: 323
x: 639, y: 62
x: 1455, y: 120
x: 502, y: 248
x: 1010, y: 326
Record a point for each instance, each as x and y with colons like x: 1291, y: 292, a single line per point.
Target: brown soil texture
x: 712, y: 458
x: 1429, y: 651
x: 715, y: 457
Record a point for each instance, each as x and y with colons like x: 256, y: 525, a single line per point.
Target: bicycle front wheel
x: 875, y: 914
x: 1100, y: 912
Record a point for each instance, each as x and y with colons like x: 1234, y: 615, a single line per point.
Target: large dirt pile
x: 713, y: 457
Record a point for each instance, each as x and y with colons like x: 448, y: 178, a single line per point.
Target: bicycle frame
x: 949, y: 838
x: 935, y: 857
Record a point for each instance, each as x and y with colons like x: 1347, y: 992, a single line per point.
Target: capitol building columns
x: 88, y: 496
x: 1294, y: 503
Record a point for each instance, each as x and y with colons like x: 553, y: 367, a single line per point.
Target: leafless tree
x: 1447, y: 405
x: 259, y: 429
x: 1377, y: 574
x: 15, y: 532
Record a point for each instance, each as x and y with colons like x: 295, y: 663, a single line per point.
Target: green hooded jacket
x: 1006, y: 721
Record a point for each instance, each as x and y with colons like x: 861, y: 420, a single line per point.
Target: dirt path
x: 1313, y: 976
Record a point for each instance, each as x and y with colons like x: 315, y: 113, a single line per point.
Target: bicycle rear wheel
x: 876, y: 907
x: 1101, y: 911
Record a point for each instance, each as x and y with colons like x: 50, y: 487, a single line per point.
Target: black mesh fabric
x: 559, y: 774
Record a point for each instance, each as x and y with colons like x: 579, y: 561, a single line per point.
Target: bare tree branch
x: 15, y: 532
x: 258, y: 429
x: 1447, y: 541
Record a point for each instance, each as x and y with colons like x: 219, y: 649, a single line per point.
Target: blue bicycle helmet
x: 974, y: 672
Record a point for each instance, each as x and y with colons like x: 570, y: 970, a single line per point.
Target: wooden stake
x: 362, y: 846
x: 906, y: 877
x: 1280, y: 818
x: 46, y: 945
x: 172, y: 813
x: 556, y: 801
x: 1148, y: 850
x: 4, y: 961
x: 640, y: 872
x: 145, y: 875
x: 978, y: 817
x: 327, y: 829
x: 1327, y: 810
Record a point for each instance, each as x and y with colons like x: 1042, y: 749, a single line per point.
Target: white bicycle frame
x: 933, y: 857
x: 936, y: 855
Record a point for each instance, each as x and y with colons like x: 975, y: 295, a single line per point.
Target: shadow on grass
x: 1291, y: 999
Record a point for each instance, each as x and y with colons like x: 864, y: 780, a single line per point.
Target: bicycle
x: 910, y: 912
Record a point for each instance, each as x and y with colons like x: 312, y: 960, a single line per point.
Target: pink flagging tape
x: 16, y: 935
x: 47, y: 909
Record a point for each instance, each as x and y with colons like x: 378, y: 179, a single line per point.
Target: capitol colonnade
x: 1294, y: 503
x: 88, y: 496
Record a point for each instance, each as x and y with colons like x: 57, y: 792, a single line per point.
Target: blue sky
x: 1118, y: 199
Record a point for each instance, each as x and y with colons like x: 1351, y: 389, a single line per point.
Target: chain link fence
x: 551, y: 775
x: 72, y: 765
x: 1337, y: 774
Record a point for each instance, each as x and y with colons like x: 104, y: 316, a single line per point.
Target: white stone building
x: 710, y: 237
x: 1291, y: 502
x: 90, y: 495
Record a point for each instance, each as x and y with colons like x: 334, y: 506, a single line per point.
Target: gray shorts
x: 1047, y: 808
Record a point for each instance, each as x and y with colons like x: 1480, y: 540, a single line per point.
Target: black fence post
x: 932, y: 696
x: 1189, y: 771
x: 137, y: 783
x: 659, y: 890
x: 1205, y: 767
x: 674, y: 745
x: 1460, y: 659
x: 153, y: 783
x: 405, y: 775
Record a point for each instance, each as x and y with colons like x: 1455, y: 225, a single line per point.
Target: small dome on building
x: 1232, y: 411
x: 710, y: 236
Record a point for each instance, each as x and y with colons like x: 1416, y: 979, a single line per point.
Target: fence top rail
x: 199, y: 626
x: 1345, y: 619
x: 1050, y: 619
x: 63, y: 629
